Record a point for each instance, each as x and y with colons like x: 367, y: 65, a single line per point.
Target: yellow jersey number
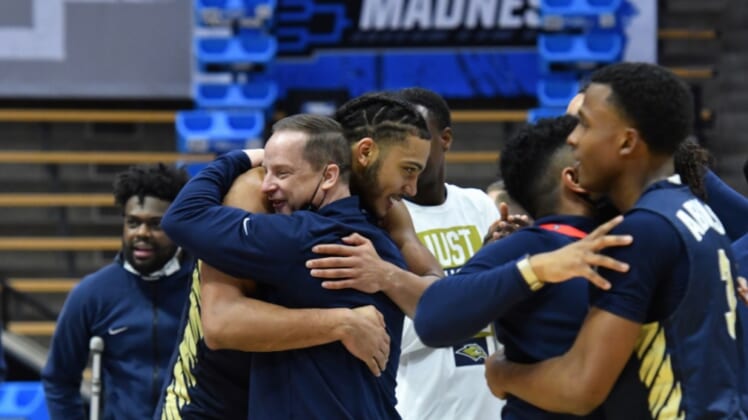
x: 732, y: 301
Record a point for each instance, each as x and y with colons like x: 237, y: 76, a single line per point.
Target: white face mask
x: 171, y: 267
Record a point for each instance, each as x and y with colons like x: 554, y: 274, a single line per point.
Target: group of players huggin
x: 334, y: 274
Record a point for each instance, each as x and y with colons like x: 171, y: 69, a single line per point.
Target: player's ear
x: 330, y: 175
x: 570, y: 179
x: 445, y: 137
x: 575, y: 104
x: 630, y: 141
x: 365, y: 151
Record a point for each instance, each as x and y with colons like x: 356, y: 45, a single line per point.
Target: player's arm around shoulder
x: 233, y: 319
x: 485, y: 289
x: 357, y: 265
x: 196, y: 219
x: 222, y: 294
x: 580, y: 380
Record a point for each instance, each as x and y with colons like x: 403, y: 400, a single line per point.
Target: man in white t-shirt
x: 445, y: 383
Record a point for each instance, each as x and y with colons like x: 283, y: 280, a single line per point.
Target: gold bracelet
x: 528, y: 274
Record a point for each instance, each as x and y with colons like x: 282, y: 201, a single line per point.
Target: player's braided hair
x: 382, y: 117
x: 160, y: 181
x: 527, y: 165
x: 691, y: 162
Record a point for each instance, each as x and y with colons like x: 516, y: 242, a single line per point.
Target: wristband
x: 525, y: 269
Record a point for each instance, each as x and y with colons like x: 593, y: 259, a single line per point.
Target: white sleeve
x: 410, y: 342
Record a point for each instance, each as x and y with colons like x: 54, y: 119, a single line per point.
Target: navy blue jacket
x: 321, y: 382
x: 138, y: 320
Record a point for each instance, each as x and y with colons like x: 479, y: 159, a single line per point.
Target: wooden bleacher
x: 99, y: 157
x: 42, y: 285
x: 168, y: 117
x: 86, y: 116
x: 678, y: 34
x: 695, y: 73
x: 33, y: 328
x: 53, y: 243
x: 695, y: 46
x: 38, y: 285
x: 489, y: 116
x: 56, y: 200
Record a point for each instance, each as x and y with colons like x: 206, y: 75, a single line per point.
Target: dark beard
x: 366, y: 184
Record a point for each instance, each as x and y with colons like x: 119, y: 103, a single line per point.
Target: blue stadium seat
x: 558, y: 15
x: 596, y: 46
x: 533, y: 115
x: 579, y: 7
x: 246, y: 48
x: 23, y: 400
x: 254, y: 6
x: 557, y: 90
x: 223, y: 12
x: 258, y: 94
x: 219, y: 131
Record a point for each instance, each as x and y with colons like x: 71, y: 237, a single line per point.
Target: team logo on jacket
x: 470, y: 353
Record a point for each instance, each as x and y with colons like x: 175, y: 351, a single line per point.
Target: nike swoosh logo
x: 115, y: 331
x: 246, y: 222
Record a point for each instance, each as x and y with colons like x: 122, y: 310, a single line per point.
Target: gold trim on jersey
x: 656, y: 373
x: 177, y: 393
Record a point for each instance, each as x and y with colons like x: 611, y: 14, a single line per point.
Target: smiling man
x: 134, y: 304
